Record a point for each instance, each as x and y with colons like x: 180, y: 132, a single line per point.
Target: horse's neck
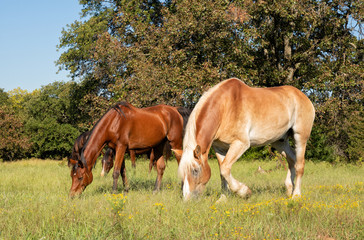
x: 207, y: 124
x: 97, y: 140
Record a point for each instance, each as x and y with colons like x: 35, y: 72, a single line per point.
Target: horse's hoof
x: 222, y: 199
x: 244, y: 192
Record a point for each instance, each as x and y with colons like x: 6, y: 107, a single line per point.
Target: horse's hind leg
x: 285, y: 149
x: 300, y: 147
x: 296, y: 162
x: 132, y: 158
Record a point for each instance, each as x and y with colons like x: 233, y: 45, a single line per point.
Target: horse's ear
x: 80, y: 163
x: 197, y: 153
x: 71, y: 162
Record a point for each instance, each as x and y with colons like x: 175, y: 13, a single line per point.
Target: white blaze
x: 186, y: 188
x: 102, y: 172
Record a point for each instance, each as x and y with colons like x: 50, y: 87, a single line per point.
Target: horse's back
x: 153, y: 123
x: 265, y: 100
x: 263, y: 114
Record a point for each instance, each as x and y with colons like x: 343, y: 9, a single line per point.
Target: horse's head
x: 81, y: 177
x: 107, y: 161
x: 194, y: 171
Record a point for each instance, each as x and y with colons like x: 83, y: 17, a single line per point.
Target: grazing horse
x: 77, y: 147
x: 127, y: 127
x: 231, y: 117
x: 107, y: 161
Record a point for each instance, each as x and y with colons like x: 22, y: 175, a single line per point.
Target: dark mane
x: 185, y: 113
x: 78, y: 146
x: 117, y: 107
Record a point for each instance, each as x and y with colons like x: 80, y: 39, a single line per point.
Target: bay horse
x: 231, y: 117
x: 127, y: 127
x: 107, y: 160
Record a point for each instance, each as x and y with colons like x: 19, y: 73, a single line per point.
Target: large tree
x: 150, y: 52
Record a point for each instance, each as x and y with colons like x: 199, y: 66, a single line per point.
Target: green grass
x: 34, y: 204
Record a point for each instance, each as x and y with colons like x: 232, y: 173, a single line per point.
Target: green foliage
x: 150, y: 52
x: 14, y: 143
x: 318, y: 149
x: 355, y: 148
x: 49, y: 122
x: 50, y: 138
x: 256, y: 153
x: 3, y: 97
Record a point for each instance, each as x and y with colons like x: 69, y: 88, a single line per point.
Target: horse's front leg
x: 176, y: 147
x: 236, y: 149
x: 123, y: 177
x: 119, y: 164
x: 224, y: 184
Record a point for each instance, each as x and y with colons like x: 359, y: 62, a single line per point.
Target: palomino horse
x: 231, y: 117
x: 127, y: 127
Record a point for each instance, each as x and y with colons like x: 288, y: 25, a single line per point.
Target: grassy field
x: 34, y: 204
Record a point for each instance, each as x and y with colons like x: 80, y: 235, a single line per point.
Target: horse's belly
x: 146, y: 137
x: 261, y: 138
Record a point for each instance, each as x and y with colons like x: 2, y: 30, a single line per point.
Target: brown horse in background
x: 108, y: 158
x: 127, y: 127
x: 231, y: 117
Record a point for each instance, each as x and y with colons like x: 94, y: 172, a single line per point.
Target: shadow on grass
x: 139, y: 184
x: 258, y: 189
x: 268, y: 189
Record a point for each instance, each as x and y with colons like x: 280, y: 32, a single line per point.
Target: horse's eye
x: 80, y: 178
x: 195, y: 172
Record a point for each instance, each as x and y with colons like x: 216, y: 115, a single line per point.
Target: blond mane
x: 189, y: 140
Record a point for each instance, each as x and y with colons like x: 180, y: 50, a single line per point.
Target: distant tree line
x: 149, y: 52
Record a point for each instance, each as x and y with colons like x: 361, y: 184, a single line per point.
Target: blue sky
x: 29, y: 34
